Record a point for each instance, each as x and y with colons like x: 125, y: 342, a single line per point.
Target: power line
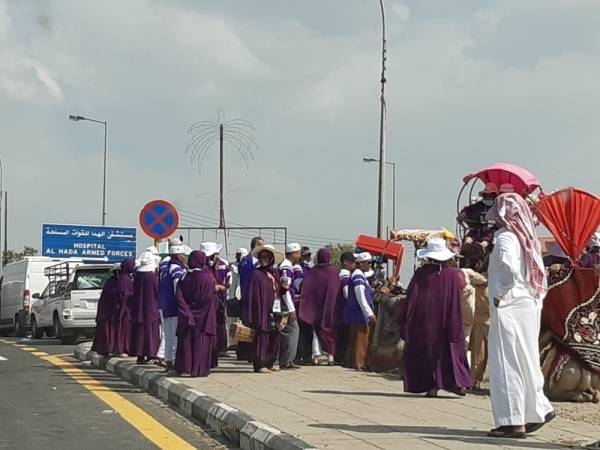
x: 306, y: 237
x: 191, y: 222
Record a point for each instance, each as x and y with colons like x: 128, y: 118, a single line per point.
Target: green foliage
x: 12, y: 256
x: 337, y: 250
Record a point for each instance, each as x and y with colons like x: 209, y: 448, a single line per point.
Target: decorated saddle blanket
x: 571, y: 312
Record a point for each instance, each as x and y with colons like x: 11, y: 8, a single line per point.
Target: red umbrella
x: 572, y: 215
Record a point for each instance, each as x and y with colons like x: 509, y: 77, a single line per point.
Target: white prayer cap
x: 177, y: 250
x: 210, y: 248
x: 242, y: 251
x: 362, y: 257
x: 292, y: 247
x: 152, y: 250
x: 174, y: 241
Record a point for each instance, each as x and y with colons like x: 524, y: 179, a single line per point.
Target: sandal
x: 506, y: 432
x: 432, y: 393
x: 531, y: 427
x: 263, y: 370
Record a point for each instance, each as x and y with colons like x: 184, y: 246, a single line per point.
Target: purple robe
x: 197, y: 323
x: 261, y: 296
x: 145, y: 318
x: 109, y: 336
x: 320, y: 305
x: 106, y: 322
x: 433, y: 330
x: 222, y: 276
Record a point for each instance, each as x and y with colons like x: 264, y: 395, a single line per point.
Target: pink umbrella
x: 523, y: 181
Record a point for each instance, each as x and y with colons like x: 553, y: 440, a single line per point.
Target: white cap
x: 242, y: 251
x: 177, y: 250
x: 210, y: 248
x: 174, y: 241
x: 437, y: 250
x: 362, y: 257
x: 292, y: 247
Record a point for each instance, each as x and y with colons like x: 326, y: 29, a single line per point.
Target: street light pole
x: 77, y: 119
x: 380, y: 202
x: 393, y: 164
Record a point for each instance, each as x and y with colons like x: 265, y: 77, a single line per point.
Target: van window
x: 90, y: 279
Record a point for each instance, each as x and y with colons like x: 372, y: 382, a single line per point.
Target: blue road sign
x: 159, y: 219
x: 111, y: 244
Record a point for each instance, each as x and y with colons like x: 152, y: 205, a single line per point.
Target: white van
x: 20, y: 280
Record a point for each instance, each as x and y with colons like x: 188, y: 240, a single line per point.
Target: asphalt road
x: 43, y: 407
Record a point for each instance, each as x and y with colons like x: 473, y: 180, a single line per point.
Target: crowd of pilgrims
x: 179, y: 313
x: 301, y: 312
x: 466, y: 304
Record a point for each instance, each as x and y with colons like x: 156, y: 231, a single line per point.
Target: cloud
x: 469, y: 83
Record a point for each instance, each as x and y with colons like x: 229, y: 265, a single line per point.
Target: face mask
x: 488, y: 201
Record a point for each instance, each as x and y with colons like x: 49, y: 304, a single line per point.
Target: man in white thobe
x: 517, y: 286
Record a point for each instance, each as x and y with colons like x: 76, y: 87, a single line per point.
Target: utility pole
x: 221, y: 182
x: 382, y: 119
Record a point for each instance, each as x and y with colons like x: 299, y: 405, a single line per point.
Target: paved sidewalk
x: 337, y: 408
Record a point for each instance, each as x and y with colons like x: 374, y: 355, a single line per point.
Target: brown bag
x: 241, y: 333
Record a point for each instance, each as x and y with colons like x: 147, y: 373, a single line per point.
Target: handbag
x: 241, y: 333
x: 234, y: 307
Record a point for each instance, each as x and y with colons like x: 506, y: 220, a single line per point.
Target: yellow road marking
x: 29, y: 349
x: 19, y: 345
x: 39, y: 353
x: 143, y: 422
x: 4, y: 341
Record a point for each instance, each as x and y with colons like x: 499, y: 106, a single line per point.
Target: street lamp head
x: 369, y: 160
x: 76, y: 118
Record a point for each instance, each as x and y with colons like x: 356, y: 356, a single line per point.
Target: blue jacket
x: 170, y: 272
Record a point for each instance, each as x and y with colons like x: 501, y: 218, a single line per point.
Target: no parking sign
x: 159, y: 219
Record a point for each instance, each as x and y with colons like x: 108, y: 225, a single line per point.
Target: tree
x: 337, y: 250
x: 12, y: 256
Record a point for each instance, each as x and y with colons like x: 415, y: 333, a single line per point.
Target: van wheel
x: 57, y: 327
x: 36, y: 332
x: 19, y: 329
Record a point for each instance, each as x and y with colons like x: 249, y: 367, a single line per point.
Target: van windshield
x: 90, y: 279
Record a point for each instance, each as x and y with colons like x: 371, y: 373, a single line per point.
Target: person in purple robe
x: 434, y: 354
x: 321, y: 305
x: 115, y: 294
x: 126, y: 287
x: 145, y: 318
x: 219, y: 268
x: 246, y: 267
x: 222, y: 276
x: 264, y: 309
x: 197, y: 324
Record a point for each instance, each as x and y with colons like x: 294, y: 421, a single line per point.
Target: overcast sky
x: 470, y: 83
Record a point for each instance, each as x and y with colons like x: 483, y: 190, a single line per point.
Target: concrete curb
x: 236, y: 426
